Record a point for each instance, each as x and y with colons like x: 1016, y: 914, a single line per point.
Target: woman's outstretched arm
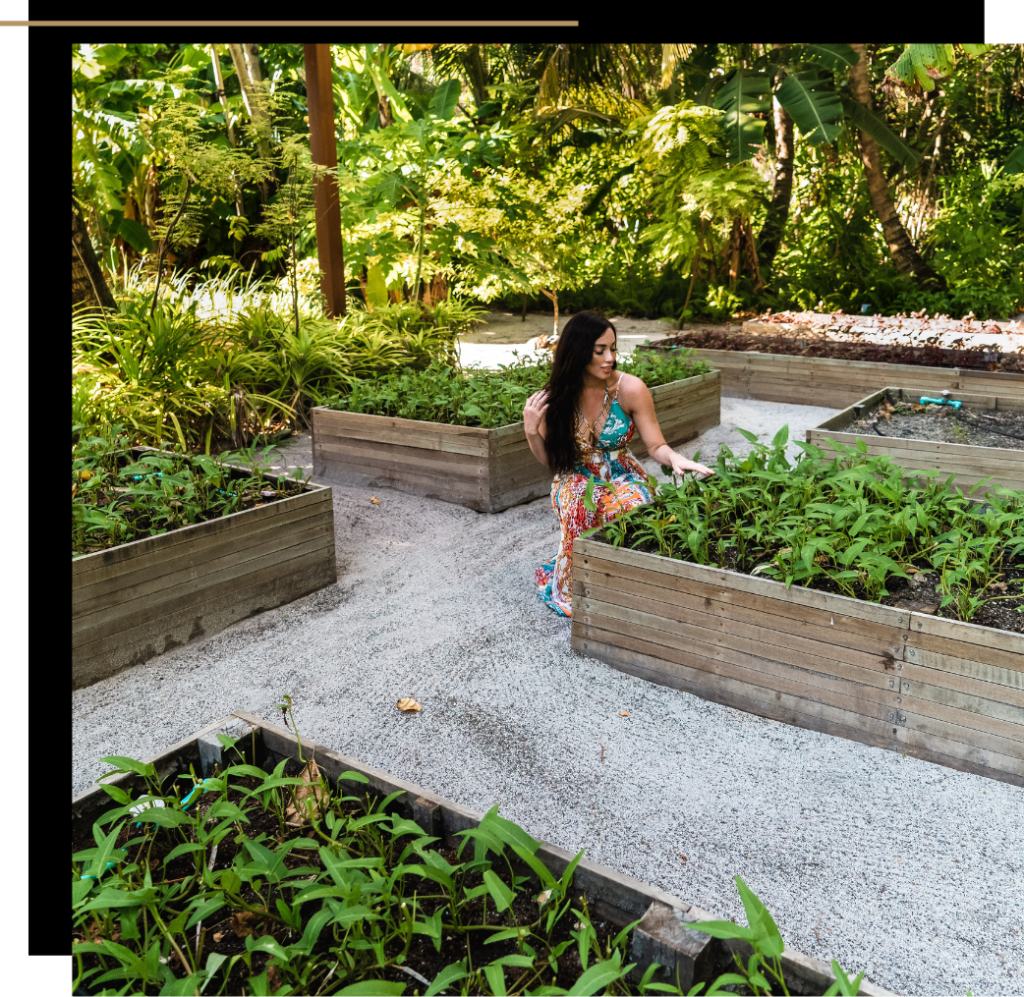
x: 636, y: 399
x: 534, y: 422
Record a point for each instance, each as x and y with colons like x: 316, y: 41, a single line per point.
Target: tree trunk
x: 247, y: 66
x: 88, y: 286
x: 905, y: 255
x: 553, y: 295
x: 219, y: 76
x: 324, y: 151
x: 770, y: 236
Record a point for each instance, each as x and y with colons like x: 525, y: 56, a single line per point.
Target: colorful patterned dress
x: 622, y: 485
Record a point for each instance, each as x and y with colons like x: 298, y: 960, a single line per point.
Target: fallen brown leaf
x: 683, y: 857
x: 218, y: 935
x: 911, y: 571
x: 409, y: 705
x: 242, y: 922
x: 624, y: 713
x: 374, y: 500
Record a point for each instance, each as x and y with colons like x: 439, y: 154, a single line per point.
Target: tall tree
x: 88, y: 286
x: 770, y: 236
x: 905, y: 255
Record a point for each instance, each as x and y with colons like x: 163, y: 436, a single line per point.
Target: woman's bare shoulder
x: 630, y: 386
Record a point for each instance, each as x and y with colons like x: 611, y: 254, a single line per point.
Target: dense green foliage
x: 849, y: 524
x: 221, y: 360
x: 116, y: 498
x: 551, y: 174
x: 338, y: 894
x: 487, y: 398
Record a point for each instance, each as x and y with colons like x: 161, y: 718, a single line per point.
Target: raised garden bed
x: 134, y: 601
x: 613, y: 901
x: 918, y: 437
x: 765, y: 372
x: 938, y: 689
x: 484, y: 469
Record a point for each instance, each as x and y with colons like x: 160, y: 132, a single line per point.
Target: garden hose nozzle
x: 939, y: 401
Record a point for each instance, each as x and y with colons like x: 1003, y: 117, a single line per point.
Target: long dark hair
x: 575, y: 349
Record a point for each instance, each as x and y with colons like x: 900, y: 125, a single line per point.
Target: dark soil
x: 978, y: 427
x: 227, y: 935
x: 805, y: 346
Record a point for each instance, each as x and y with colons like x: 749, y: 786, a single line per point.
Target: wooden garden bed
x: 485, y: 469
x: 970, y: 464
x: 612, y: 896
x: 132, y: 602
x: 823, y: 381
x: 945, y: 691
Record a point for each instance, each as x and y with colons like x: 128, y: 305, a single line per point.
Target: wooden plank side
x: 156, y: 547
x: 808, y: 713
x: 428, y: 483
x: 469, y: 440
x: 962, y: 708
x: 200, y: 617
x: 959, y: 454
x: 204, y: 548
x: 147, y: 591
x: 696, y: 676
x: 956, y: 672
x: 112, y: 620
x: 809, y: 675
x: 877, y: 649
x: 929, y: 632
x: 839, y: 693
x: 752, y: 370
x: 443, y: 465
x: 736, y: 603
x: 872, y: 612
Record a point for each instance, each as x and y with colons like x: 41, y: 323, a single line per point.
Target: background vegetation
x: 684, y: 181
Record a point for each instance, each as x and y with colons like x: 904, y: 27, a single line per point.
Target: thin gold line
x: 289, y: 24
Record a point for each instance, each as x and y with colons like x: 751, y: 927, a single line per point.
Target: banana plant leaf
x: 744, y: 93
x: 811, y: 100
x: 874, y: 126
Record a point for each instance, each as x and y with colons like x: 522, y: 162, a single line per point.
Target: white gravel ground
x: 909, y: 870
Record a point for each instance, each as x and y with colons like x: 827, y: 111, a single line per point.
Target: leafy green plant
x: 488, y: 398
x: 116, y: 498
x: 765, y: 940
x: 286, y: 884
x: 850, y: 524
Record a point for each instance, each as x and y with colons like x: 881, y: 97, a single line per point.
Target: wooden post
x: 320, y: 97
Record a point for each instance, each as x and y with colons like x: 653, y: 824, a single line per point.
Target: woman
x: 580, y: 426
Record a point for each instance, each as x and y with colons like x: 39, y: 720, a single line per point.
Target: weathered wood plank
x: 142, y: 588
x: 886, y: 615
x: 469, y: 440
x: 100, y: 564
x: 200, y: 614
x: 964, y: 673
x: 849, y: 696
x: 204, y: 548
x: 814, y: 676
x: 923, y: 627
x: 876, y: 651
x: 114, y: 618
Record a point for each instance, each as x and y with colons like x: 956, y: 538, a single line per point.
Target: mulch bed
x: 802, y: 345
x: 1003, y: 428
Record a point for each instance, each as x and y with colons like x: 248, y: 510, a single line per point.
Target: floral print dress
x: 621, y: 485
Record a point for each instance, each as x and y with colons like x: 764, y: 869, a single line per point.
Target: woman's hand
x: 680, y: 465
x: 533, y: 412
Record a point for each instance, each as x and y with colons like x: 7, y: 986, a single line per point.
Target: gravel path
x: 904, y: 868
